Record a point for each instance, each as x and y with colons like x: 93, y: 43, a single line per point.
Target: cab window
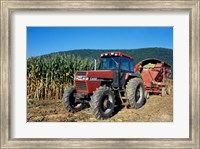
x: 126, y: 64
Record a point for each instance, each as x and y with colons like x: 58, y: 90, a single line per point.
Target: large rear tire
x: 102, y: 103
x: 135, y: 93
x: 69, y: 101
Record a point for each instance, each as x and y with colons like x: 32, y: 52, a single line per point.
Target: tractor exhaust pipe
x: 95, y: 64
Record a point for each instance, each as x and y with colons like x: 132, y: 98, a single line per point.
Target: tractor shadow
x: 119, y: 107
x: 145, y: 100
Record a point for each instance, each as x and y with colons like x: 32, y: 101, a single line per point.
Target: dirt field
x: 156, y: 109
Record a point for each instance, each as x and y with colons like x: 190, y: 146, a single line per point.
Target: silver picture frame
x: 8, y: 7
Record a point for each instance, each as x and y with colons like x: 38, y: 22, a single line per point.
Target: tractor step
x: 123, y: 98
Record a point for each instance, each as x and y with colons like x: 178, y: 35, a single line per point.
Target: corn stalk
x: 49, y: 76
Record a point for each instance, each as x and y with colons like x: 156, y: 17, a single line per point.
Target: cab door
x: 126, y: 66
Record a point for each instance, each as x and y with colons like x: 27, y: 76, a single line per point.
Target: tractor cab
x: 115, y: 61
x: 120, y: 64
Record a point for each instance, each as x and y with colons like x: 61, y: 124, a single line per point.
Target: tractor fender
x: 130, y: 75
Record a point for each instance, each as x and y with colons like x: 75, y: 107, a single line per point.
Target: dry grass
x: 156, y: 109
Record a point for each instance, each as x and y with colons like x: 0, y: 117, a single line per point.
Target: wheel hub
x: 106, y: 104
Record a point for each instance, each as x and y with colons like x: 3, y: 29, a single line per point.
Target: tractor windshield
x: 109, y: 63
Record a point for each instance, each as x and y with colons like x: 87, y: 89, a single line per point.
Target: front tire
x: 69, y: 101
x: 135, y: 93
x: 102, y: 103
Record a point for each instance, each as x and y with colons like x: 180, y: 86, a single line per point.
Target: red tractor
x: 114, y: 82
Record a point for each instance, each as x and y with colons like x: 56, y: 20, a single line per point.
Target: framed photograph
x: 100, y: 74
x: 75, y: 74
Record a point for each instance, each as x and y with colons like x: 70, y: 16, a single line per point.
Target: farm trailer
x: 156, y: 75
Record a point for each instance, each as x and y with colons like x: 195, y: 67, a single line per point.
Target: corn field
x: 48, y: 77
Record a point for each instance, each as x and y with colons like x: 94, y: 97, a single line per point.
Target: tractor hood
x: 93, y: 74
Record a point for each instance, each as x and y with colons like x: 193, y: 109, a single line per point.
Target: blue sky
x: 44, y: 40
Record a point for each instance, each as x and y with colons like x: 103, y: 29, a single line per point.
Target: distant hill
x: 163, y: 54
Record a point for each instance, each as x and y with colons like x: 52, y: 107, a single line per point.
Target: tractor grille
x: 81, y: 73
x: 81, y: 85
